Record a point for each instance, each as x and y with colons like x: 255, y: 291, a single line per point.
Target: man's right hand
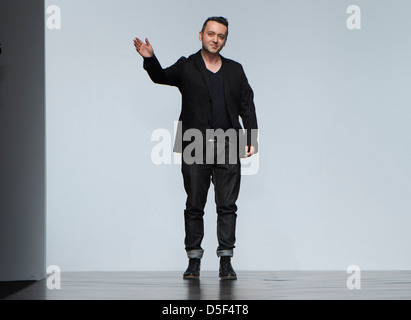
x: 144, y: 49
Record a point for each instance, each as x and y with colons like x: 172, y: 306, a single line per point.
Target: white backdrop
x: 333, y: 104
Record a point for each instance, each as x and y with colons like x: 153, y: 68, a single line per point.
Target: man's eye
x: 221, y: 37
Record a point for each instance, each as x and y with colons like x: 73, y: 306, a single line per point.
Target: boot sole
x: 228, y: 277
x: 191, y: 277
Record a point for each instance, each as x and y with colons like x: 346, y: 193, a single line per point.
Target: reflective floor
x: 251, y: 285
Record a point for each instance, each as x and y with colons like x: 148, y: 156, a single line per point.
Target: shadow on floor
x: 8, y: 288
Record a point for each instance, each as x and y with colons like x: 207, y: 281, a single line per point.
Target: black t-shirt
x: 220, y: 119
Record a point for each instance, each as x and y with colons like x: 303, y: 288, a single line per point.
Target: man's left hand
x: 249, y: 151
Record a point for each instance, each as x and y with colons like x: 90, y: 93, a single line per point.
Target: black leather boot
x: 226, y: 270
x: 193, y: 270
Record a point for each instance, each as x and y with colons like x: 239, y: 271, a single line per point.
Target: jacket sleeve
x: 170, y: 76
x: 247, y: 112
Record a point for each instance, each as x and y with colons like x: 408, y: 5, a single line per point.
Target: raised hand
x: 144, y: 49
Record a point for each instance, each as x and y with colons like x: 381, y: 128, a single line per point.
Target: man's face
x: 214, y: 37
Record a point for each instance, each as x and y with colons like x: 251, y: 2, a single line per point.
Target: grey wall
x: 22, y: 140
x: 334, y: 180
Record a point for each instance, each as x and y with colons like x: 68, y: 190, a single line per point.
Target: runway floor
x: 251, y: 285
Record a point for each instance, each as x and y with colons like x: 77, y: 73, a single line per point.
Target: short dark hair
x: 221, y: 20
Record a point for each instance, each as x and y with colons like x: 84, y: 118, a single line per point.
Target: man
x: 215, y: 93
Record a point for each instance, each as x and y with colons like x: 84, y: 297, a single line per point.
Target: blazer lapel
x: 226, y: 76
x: 200, y: 65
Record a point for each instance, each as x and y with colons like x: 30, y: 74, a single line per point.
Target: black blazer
x: 191, y: 78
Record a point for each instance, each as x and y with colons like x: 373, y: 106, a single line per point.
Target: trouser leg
x: 226, y: 179
x: 196, y: 184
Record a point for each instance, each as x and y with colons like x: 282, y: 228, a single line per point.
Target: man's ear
x: 200, y: 36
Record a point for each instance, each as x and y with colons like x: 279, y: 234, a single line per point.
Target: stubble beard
x: 209, y: 49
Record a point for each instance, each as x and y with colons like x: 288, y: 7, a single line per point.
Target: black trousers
x: 197, y: 180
